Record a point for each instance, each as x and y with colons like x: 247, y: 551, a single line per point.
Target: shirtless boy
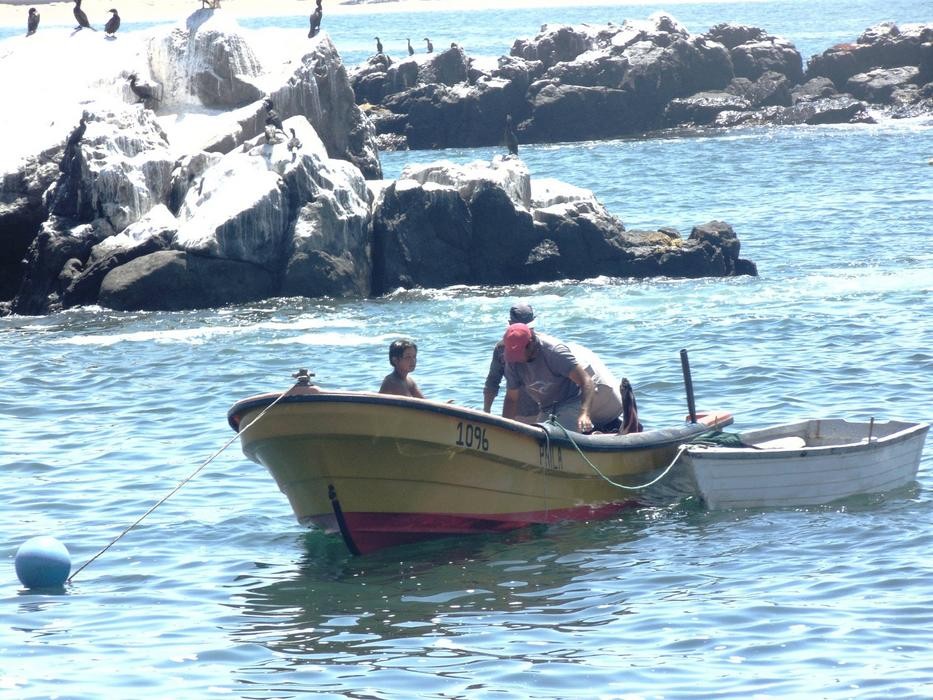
x: 403, y: 356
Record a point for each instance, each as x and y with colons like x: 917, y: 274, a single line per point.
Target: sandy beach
x: 13, y: 13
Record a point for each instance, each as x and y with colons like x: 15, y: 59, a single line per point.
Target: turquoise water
x: 219, y: 593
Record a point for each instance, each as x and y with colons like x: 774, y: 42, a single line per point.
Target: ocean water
x: 219, y: 592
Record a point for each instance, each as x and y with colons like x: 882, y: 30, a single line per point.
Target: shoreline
x: 59, y: 13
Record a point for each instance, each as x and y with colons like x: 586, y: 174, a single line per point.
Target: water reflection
x: 537, y: 578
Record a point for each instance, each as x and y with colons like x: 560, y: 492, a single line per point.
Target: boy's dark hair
x: 398, y: 348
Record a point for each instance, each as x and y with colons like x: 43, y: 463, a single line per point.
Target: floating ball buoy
x: 42, y: 562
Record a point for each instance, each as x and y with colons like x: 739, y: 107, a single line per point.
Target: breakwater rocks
x: 282, y: 196
x: 270, y: 220
x: 604, y: 81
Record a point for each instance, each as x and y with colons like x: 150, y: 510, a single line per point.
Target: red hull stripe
x: 371, y: 532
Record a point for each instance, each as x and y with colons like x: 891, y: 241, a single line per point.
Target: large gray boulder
x: 172, y: 280
x: 885, y: 45
x: 205, y: 60
x: 754, y: 52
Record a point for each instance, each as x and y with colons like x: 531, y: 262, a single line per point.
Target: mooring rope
x: 184, y: 481
x: 683, y: 448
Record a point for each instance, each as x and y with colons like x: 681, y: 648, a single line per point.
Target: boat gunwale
x: 606, y: 442
x: 912, y: 430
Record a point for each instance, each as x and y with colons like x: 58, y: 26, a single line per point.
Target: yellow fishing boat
x: 385, y: 470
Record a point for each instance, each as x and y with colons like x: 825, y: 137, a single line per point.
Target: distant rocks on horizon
x: 587, y: 82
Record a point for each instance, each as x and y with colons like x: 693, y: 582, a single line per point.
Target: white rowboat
x: 807, y: 463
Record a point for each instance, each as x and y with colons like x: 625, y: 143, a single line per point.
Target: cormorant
x: 145, y: 93
x: 32, y: 24
x: 511, y: 140
x: 294, y: 144
x: 273, y: 120
x: 79, y: 130
x: 378, y: 44
x: 411, y: 51
x: 316, y: 20
x: 430, y: 45
x: 113, y: 24
x: 81, y: 17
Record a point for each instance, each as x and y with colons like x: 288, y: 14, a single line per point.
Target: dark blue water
x: 220, y: 593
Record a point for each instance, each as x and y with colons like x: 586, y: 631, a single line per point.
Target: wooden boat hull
x: 387, y: 470
x: 811, y: 462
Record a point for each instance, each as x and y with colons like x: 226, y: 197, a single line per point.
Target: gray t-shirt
x: 546, y: 378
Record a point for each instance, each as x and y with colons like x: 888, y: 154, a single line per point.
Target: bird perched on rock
x: 146, y: 93
x: 81, y: 17
x: 316, y: 20
x: 511, y: 140
x: 113, y: 24
x: 79, y: 130
x: 430, y: 45
x: 294, y: 144
x: 273, y: 120
x: 411, y: 51
x: 378, y: 45
x: 32, y: 23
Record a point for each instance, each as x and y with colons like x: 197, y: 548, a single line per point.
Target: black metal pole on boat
x: 688, y: 385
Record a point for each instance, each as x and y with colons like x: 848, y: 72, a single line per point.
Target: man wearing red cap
x: 567, y: 381
x: 527, y: 408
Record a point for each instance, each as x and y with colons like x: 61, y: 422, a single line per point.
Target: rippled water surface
x: 219, y: 593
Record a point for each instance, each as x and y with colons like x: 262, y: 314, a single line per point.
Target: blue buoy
x: 42, y: 562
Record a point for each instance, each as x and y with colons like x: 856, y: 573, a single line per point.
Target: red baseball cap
x: 516, y: 339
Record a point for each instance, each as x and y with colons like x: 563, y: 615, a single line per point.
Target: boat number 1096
x: 472, y: 436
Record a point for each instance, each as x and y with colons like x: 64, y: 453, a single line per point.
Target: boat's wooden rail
x: 548, y: 432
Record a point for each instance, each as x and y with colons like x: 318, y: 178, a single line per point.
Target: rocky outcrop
x: 207, y: 62
x: 604, y: 81
x: 120, y: 187
x: 490, y: 226
x: 885, y: 45
x: 276, y: 218
x: 22, y: 211
x: 120, y: 214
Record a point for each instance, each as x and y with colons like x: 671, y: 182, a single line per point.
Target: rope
x: 183, y: 481
x: 683, y: 448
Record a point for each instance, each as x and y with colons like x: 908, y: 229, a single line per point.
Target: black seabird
x: 378, y: 45
x: 145, y: 93
x: 79, y: 130
x: 316, y: 20
x: 273, y: 120
x: 81, y: 17
x: 294, y: 143
x: 430, y: 45
x: 113, y: 24
x: 511, y: 140
x: 411, y: 51
x: 32, y: 24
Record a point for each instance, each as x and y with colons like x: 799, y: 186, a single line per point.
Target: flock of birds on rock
x: 110, y: 28
x: 273, y: 123
x: 113, y: 24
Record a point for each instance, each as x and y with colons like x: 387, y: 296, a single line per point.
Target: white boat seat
x: 792, y: 442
